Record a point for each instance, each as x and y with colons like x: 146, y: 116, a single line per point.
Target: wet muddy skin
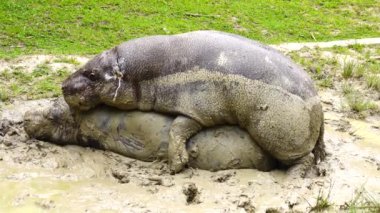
x: 143, y: 136
x: 37, y: 176
x: 209, y: 78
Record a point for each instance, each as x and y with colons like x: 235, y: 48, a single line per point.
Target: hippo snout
x: 75, y: 85
x: 79, y: 92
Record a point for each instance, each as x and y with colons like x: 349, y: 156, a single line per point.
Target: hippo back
x: 214, y: 51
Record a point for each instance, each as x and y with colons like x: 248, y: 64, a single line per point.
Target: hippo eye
x: 90, y: 74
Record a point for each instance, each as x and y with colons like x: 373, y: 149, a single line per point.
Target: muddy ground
x: 37, y: 176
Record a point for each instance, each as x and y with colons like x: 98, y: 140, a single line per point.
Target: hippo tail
x: 319, y: 150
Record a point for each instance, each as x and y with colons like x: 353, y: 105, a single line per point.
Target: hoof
x: 178, y: 164
x: 301, y: 167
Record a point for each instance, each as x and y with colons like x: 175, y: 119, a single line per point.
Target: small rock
x: 246, y: 204
x: 122, y: 177
x: 191, y: 192
x: 156, y: 180
x: 328, y: 102
x: 225, y: 176
x: 273, y: 210
x: 7, y: 143
x: 4, y: 127
x: 321, y: 171
x: 45, y: 204
x: 153, y: 190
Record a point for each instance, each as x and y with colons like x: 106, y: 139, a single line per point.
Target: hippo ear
x: 116, y: 71
x: 122, y: 64
x: 115, y: 68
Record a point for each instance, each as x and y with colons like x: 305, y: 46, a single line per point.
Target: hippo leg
x: 319, y: 150
x: 181, y: 130
x: 301, y: 166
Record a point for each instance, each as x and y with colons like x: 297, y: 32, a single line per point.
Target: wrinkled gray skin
x: 209, y: 78
x: 144, y: 136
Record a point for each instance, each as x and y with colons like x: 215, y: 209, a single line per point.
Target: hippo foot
x: 178, y: 162
x: 301, y: 167
x: 319, y: 153
x: 320, y: 148
x: 181, y: 130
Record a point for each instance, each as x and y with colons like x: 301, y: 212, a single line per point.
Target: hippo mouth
x: 79, y: 103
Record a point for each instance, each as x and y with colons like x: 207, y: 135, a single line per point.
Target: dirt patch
x: 30, y: 62
x: 286, y: 47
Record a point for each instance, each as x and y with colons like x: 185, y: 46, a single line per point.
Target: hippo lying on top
x: 144, y: 136
x: 208, y: 78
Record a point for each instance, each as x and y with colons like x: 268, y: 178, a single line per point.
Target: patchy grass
x: 327, y: 82
x: 88, y: 27
x: 41, y: 70
x: 359, y: 71
x: 4, y: 97
x: 67, y: 60
x: 374, y: 66
x: 357, y: 103
x: 373, y: 81
x: 362, y: 201
x: 327, y: 66
x: 347, y: 89
x: 348, y: 69
x: 339, y: 49
x: 322, y: 202
x: 42, y: 82
x: 357, y: 47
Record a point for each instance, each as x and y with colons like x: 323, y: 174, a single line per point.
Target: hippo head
x: 81, y: 89
x: 101, y: 80
x: 53, y: 123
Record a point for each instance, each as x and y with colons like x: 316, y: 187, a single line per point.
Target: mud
x: 36, y: 176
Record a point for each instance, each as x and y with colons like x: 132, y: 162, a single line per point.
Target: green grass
x: 360, y: 71
x: 373, y: 81
x: 88, y: 27
x: 322, y: 202
x: 327, y: 72
x: 357, y: 47
x: 4, y: 95
x: 67, y: 60
x: 42, y: 82
x: 362, y: 201
x: 327, y: 82
x: 358, y: 104
x: 347, y: 89
x: 348, y: 69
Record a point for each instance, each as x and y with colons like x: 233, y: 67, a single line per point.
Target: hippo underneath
x: 205, y: 79
x: 144, y: 136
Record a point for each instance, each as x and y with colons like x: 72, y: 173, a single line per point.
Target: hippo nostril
x: 65, y: 88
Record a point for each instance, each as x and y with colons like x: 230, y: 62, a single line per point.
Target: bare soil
x: 37, y: 176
